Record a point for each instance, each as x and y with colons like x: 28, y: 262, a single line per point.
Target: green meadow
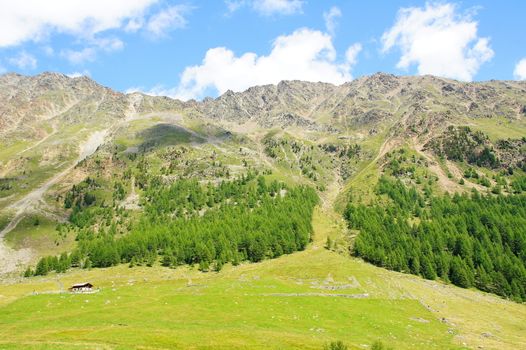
x: 300, y: 301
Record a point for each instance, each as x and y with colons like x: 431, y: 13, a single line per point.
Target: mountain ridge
x: 88, y: 174
x: 46, y: 119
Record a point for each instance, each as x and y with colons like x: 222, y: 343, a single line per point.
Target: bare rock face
x: 27, y: 103
x: 368, y: 103
x: 269, y: 105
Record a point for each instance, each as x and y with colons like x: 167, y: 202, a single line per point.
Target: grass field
x: 39, y: 233
x: 499, y: 128
x: 299, y: 301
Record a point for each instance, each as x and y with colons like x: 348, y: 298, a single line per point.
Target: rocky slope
x: 28, y: 102
x: 368, y: 101
x: 330, y: 137
x: 76, y: 160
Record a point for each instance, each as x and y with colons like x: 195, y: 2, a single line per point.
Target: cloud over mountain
x: 439, y: 41
x: 305, y: 54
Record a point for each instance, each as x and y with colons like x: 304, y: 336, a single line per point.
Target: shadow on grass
x: 166, y: 135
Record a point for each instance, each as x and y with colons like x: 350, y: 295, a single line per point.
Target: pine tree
x: 458, y: 274
x: 42, y: 268
x: 414, y: 264
x: 428, y: 270
x: 28, y: 272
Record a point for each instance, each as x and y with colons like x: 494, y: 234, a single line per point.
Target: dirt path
x: 39, y: 142
x: 388, y: 145
x: 35, y: 197
x: 10, y: 259
x: 444, y: 181
x: 335, y: 188
x: 328, y: 198
x: 457, y: 174
x: 132, y: 201
x: 54, y: 131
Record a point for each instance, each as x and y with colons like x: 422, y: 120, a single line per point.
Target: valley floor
x: 299, y: 301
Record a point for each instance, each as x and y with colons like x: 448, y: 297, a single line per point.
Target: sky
x: 192, y: 48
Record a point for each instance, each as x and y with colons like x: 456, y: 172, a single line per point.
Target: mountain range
x: 71, y: 149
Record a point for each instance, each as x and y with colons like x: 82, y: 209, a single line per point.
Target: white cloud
x: 34, y: 20
x: 87, y: 54
x: 134, y: 24
x: 108, y: 44
x: 439, y: 40
x: 170, y: 18
x: 23, y: 61
x: 133, y: 89
x: 331, y: 19
x: 234, y: 5
x: 84, y: 73
x: 282, y: 7
x: 158, y: 90
x: 304, y: 55
x: 267, y: 7
x: 520, y: 70
x: 351, y: 55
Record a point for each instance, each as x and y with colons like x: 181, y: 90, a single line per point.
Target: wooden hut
x: 81, y: 287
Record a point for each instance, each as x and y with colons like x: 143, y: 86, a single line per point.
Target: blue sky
x: 189, y: 49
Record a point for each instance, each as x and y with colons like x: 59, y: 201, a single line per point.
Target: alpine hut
x: 81, y: 287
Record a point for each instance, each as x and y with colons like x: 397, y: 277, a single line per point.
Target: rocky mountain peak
x: 26, y: 101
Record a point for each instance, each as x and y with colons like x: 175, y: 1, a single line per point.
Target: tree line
x: 191, y: 223
x: 469, y: 240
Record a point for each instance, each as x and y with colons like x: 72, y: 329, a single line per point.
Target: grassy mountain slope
x: 283, y: 303
x: 57, y: 132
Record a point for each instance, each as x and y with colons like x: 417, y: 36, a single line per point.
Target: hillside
x: 92, y: 179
